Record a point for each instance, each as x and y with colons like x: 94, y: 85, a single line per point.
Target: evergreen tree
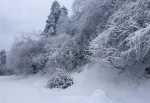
x: 3, y: 57
x: 64, y: 10
x: 63, y: 21
x: 50, y: 28
x: 2, y: 62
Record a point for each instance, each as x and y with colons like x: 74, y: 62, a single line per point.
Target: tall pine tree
x: 50, y: 28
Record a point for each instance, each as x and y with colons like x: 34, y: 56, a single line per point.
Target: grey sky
x: 23, y: 15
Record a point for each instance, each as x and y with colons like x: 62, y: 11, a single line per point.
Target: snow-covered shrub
x: 60, y: 79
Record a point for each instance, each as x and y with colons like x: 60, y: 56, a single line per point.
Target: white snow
x: 93, y: 85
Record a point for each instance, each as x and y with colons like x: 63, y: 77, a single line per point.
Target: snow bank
x: 103, y: 84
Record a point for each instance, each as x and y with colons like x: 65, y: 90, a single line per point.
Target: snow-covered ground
x: 93, y: 85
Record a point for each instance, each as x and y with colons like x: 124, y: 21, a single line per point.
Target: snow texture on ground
x: 96, y: 84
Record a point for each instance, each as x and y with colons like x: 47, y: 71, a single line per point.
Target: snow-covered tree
x: 65, y: 51
x: 2, y: 62
x: 126, y: 41
x: 50, y: 28
x: 79, y: 5
x: 63, y: 21
x: 92, y: 15
x: 64, y: 10
x: 54, y: 47
x: 72, y: 54
x: 3, y: 57
x: 88, y: 17
x: 27, y: 55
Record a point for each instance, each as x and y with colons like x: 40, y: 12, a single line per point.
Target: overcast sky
x: 23, y: 15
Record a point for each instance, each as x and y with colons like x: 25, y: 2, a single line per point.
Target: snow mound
x: 99, y: 96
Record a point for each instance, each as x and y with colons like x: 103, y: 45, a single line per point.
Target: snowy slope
x: 94, y: 85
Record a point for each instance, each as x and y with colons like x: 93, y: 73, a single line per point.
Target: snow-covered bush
x: 60, y: 79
